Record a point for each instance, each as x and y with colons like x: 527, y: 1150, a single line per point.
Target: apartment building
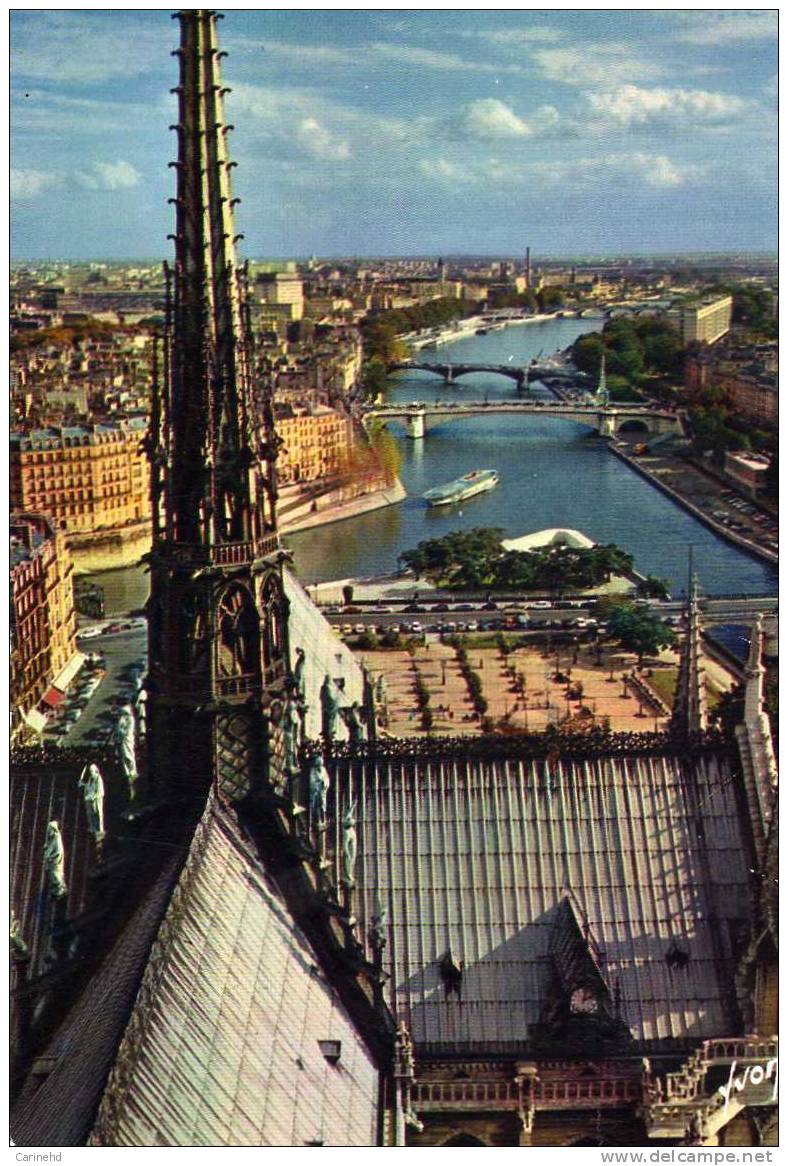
x: 703, y: 322
x: 43, y: 617
x: 316, y: 444
x: 86, y: 478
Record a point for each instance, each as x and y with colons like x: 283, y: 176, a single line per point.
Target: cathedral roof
x: 227, y: 1041
x: 474, y: 859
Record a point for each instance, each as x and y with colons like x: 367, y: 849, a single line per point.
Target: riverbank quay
x: 469, y: 327
x: 332, y: 507
x: 692, y: 491
x: 401, y: 586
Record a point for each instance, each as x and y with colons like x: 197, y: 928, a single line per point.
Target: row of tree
x: 475, y: 559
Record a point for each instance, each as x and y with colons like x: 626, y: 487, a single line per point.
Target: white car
x: 540, y: 603
x: 88, y: 633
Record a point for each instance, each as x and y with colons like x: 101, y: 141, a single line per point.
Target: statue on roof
x: 140, y: 708
x: 403, y: 1051
x: 349, y: 845
x: 318, y: 788
x: 377, y: 930
x: 290, y: 737
x: 55, y: 862
x: 381, y: 693
x: 18, y: 945
x: 299, y: 675
x: 329, y: 705
x: 92, y: 786
x: 355, y: 726
x: 123, y: 734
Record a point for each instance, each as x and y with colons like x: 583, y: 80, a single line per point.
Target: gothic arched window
x: 272, y: 611
x: 238, y: 638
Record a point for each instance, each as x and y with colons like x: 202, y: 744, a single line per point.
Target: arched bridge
x: 419, y: 418
x: 450, y: 372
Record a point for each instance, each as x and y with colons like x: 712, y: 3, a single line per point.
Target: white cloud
x: 630, y: 106
x: 441, y: 169
x: 600, y: 64
x: 514, y: 37
x: 724, y: 28
x: 489, y: 118
x: 28, y: 183
x: 617, y: 170
x: 118, y: 175
x: 321, y: 143
x: 82, y: 48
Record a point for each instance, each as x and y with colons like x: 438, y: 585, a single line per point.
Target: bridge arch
x: 634, y: 425
x: 451, y: 372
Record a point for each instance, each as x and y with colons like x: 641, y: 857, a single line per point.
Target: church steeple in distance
x: 218, y: 656
x: 690, y: 711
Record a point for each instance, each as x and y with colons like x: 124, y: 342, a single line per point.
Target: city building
x: 315, y: 444
x: 87, y: 478
x: 704, y: 322
x: 747, y: 470
x: 284, y: 289
x: 43, y: 619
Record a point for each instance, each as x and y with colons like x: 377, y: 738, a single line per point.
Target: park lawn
x: 663, y: 681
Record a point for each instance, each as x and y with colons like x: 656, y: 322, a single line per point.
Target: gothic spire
x: 217, y: 616
x: 214, y: 491
x: 690, y: 714
x: 601, y: 388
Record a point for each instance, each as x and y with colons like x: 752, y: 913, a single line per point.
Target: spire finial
x: 690, y: 712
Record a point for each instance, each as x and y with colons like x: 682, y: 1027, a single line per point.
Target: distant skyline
x: 407, y: 132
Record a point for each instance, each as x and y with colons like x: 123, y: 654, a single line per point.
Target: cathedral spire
x: 217, y: 617
x: 215, y: 491
x: 690, y: 714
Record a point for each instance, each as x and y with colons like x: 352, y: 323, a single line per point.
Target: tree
x: 587, y: 353
x: 638, y: 630
x: 653, y: 588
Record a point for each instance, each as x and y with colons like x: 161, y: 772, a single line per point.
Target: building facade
x: 315, y: 444
x: 705, y: 322
x: 86, y: 478
x: 43, y: 617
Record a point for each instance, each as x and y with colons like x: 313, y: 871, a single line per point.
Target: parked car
x: 88, y: 633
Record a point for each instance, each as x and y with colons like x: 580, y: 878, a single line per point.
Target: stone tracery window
x: 238, y: 638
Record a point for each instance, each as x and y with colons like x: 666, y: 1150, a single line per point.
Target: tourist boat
x: 476, y: 482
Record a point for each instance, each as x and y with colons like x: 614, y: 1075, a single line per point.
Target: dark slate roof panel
x: 475, y: 857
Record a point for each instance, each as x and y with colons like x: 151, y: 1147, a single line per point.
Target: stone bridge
x: 450, y: 372
x: 607, y: 421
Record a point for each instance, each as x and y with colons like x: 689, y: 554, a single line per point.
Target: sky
x: 385, y: 132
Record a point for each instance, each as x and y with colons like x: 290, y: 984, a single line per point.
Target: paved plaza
x: 528, y: 689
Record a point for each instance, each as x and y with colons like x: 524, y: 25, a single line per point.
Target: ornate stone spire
x: 690, y: 713
x: 602, y: 395
x: 215, y: 490
x: 217, y: 616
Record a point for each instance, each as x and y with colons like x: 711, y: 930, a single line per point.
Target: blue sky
x: 407, y: 132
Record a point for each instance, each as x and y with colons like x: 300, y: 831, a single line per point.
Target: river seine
x: 552, y: 474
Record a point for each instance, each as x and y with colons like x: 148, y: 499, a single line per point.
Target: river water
x: 552, y: 475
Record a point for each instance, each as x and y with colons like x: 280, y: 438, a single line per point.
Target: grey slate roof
x: 222, y: 1046
x: 475, y: 858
